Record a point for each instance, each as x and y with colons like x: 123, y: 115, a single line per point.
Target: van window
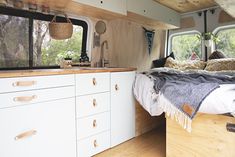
x: 25, y: 42
x: 226, y: 41
x: 186, y: 46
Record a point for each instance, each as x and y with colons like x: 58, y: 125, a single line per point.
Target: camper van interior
x: 117, y: 78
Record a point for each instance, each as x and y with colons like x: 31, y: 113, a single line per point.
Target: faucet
x: 103, y: 62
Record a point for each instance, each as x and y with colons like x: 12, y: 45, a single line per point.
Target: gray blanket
x: 187, y: 90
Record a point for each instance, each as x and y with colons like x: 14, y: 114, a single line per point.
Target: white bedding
x: 220, y: 101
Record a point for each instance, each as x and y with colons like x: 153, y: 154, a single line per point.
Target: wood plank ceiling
x: 183, y: 6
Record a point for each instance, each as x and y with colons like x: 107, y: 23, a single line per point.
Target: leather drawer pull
x: 95, y: 143
x: 26, y: 135
x: 94, y: 103
x: 94, y: 82
x: 230, y: 127
x: 94, y: 124
x: 25, y: 98
x: 24, y: 83
x: 116, y: 87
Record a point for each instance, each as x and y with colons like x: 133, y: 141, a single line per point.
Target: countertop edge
x: 45, y: 72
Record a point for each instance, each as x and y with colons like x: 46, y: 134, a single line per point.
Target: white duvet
x: 220, y: 101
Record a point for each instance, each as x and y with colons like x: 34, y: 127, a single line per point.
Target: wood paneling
x: 225, y: 17
x: 128, y: 45
x: 151, y: 144
x: 209, y: 138
x: 184, y: 6
x: 228, y: 6
x: 187, y: 22
x: 145, y: 122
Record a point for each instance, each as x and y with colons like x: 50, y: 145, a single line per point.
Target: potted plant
x: 208, y: 38
x: 67, y: 60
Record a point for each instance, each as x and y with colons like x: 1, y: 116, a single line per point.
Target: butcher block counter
x: 44, y: 72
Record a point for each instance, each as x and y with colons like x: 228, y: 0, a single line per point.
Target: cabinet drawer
x: 92, y: 104
x: 92, y: 125
x: 38, y: 82
x: 35, y: 96
x: 92, y: 83
x: 39, y: 130
x: 94, y: 145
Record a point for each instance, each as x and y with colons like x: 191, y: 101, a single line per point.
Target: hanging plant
x: 208, y: 37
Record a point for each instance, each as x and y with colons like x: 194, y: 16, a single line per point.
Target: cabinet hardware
x: 24, y: 83
x: 26, y: 134
x: 25, y: 98
x: 94, y: 81
x: 94, y: 124
x: 95, y: 143
x: 116, y: 87
x: 94, y: 103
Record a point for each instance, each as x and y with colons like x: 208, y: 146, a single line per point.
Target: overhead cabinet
x: 154, y: 10
x: 117, y: 6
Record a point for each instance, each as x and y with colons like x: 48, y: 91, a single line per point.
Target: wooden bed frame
x: 209, y: 137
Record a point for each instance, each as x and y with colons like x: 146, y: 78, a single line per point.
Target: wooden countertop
x: 43, y: 72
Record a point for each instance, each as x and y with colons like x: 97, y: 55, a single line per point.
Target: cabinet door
x: 39, y: 130
x: 117, y: 6
x: 122, y: 107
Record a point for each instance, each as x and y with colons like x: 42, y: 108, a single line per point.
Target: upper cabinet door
x: 154, y: 10
x: 122, y: 107
x: 117, y: 6
x: 39, y: 130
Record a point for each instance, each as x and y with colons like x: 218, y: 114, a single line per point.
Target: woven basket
x: 60, y: 30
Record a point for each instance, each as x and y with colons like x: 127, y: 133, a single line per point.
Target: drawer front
x: 39, y: 130
x: 92, y: 125
x: 92, y: 83
x: 35, y: 96
x: 92, y: 104
x: 38, y: 82
x: 93, y: 145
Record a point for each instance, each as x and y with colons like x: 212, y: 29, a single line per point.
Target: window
x: 226, y: 41
x: 186, y: 46
x: 25, y: 42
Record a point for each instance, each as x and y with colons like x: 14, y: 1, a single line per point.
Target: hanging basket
x: 60, y: 30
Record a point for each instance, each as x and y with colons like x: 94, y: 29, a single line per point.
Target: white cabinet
x: 122, y: 107
x: 154, y: 10
x: 39, y: 130
x: 117, y: 6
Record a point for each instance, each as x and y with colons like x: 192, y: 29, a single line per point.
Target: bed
x: 212, y: 128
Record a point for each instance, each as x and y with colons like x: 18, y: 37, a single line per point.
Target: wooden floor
x: 151, y: 144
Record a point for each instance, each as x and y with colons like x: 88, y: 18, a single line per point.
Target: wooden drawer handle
x: 94, y: 102
x: 95, y: 143
x: 24, y: 83
x: 230, y: 127
x: 116, y: 87
x: 26, y: 135
x: 25, y: 98
x: 94, y: 123
x: 94, y: 81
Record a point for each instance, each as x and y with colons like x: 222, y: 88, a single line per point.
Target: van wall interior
x: 193, y: 21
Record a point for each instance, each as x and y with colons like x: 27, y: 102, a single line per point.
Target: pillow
x: 185, y: 65
x: 217, y: 55
x: 220, y: 64
x: 161, y: 62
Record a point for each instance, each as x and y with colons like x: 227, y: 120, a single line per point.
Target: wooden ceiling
x: 183, y: 6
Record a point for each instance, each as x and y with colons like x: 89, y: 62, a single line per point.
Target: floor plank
x: 151, y: 144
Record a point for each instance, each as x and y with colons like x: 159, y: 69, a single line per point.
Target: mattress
x: 220, y: 101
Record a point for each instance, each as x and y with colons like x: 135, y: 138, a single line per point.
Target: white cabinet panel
x: 94, y: 144
x: 35, y: 96
x: 92, y: 83
x: 122, y: 107
x: 117, y: 6
x: 89, y: 126
x: 154, y: 10
x: 92, y: 104
x: 39, y: 130
x: 37, y: 82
